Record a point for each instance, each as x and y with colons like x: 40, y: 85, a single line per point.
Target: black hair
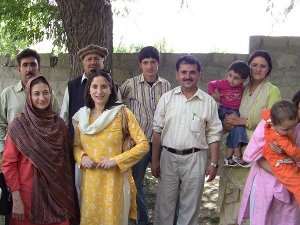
x: 296, y: 98
x: 188, y: 59
x: 283, y: 110
x: 148, y: 52
x: 240, y: 68
x: 112, y: 99
x: 28, y: 53
x: 263, y: 54
x: 38, y: 80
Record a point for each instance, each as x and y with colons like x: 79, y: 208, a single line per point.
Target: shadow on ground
x: 208, y: 212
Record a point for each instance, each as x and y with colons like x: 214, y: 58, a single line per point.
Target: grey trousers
x: 180, y: 176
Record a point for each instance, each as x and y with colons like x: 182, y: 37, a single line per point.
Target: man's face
x: 149, y: 68
x: 28, y: 68
x: 92, y: 61
x: 188, y: 76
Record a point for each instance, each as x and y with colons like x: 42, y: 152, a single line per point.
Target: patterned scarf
x: 42, y: 136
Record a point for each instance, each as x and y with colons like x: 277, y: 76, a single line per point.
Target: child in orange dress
x: 281, y: 121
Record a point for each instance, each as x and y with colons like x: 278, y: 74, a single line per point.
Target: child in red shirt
x: 281, y: 121
x: 229, y: 93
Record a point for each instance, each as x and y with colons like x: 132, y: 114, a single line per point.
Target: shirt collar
x: 83, y: 77
x: 142, y: 79
x: 199, y: 92
x: 19, y: 87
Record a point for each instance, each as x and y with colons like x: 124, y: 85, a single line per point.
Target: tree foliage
x: 26, y: 22
x: 72, y: 24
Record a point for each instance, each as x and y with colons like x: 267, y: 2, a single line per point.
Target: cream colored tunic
x: 102, y: 190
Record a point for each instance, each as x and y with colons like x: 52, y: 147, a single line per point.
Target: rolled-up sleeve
x: 214, y: 125
x: 159, y: 115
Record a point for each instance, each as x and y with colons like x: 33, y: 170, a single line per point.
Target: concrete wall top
x: 285, y: 52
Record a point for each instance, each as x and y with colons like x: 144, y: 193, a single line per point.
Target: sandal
x: 240, y: 161
x: 230, y: 162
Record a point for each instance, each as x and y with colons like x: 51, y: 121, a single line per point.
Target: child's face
x: 234, y: 79
x: 286, y: 128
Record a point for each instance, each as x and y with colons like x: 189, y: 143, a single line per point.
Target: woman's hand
x: 107, y: 163
x: 87, y: 162
x: 232, y: 120
x: 18, y: 212
x: 263, y: 163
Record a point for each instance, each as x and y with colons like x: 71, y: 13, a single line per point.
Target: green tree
x: 69, y: 23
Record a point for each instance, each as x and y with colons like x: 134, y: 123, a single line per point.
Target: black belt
x: 182, y: 152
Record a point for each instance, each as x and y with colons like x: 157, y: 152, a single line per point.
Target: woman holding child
x: 258, y: 94
x: 265, y: 200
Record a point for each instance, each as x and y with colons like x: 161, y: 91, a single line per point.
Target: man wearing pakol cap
x: 92, y: 57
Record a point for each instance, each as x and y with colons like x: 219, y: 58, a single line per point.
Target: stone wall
x: 285, y: 52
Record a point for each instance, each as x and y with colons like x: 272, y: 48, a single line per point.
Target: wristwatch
x: 216, y: 165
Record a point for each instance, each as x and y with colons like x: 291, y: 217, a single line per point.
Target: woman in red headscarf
x: 37, y: 162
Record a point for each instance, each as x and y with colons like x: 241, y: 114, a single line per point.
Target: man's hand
x: 155, y: 168
x: 211, y: 172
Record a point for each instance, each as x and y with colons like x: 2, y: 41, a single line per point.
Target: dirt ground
x: 208, y: 212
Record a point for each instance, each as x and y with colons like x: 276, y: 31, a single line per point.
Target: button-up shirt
x: 12, y: 101
x: 187, y: 123
x: 64, y: 111
x: 142, y: 99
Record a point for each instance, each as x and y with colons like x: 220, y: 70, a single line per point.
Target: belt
x: 182, y: 152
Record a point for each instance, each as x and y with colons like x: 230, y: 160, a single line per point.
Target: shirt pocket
x: 197, y: 124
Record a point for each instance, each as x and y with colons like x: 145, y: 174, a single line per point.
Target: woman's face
x: 40, y: 95
x: 100, y: 90
x: 259, y: 68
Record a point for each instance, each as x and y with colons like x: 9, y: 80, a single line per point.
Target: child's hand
x: 275, y: 147
x: 216, y: 96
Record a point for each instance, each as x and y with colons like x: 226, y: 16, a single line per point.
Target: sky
x: 204, y: 26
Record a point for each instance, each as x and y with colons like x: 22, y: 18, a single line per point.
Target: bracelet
x: 247, y: 124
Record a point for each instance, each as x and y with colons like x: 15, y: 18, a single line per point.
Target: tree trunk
x: 86, y: 22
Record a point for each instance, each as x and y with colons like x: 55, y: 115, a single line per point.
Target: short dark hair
x: 148, y: 52
x: 263, y: 54
x: 28, y: 53
x: 188, y: 59
x: 89, y: 102
x: 283, y: 110
x: 296, y: 98
x: 240, y: 68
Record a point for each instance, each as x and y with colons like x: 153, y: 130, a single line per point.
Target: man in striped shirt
x: 141, y: 95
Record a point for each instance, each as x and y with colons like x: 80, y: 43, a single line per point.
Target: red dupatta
x: 42, y: 136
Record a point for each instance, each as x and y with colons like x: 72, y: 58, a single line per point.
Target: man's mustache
x: 29, y: 73
x: 189, y: 79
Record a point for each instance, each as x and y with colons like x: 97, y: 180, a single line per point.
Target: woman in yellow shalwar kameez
x: 107, y: 196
